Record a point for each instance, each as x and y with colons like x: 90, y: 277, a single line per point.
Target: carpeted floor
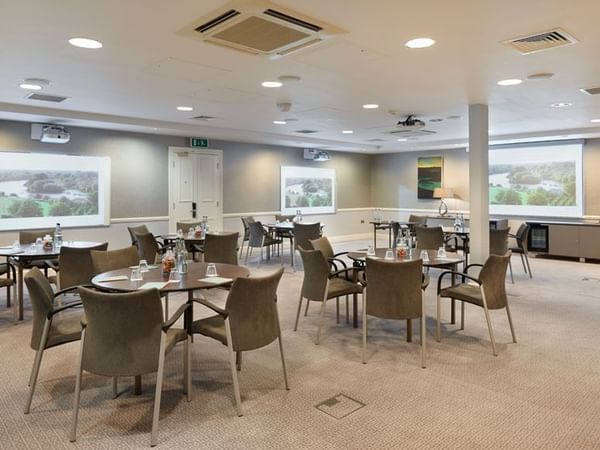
x: 543, y: 392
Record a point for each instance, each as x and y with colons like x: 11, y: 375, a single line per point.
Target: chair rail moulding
x: 139, y: 219
x: 273, y: 213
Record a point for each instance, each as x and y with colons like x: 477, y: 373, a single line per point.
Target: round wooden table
x: 190, y: 282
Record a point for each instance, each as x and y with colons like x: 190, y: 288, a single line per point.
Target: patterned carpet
x: 543, y: 392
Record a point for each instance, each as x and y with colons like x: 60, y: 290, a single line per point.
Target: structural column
x: 479, y: 206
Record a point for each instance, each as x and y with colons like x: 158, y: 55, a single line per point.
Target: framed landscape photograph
x: 429, y: 175
x: 309, y: 189
x: 38, y: 190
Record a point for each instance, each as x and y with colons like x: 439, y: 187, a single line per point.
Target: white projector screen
x: 544, y: 180
x: 37, y: 190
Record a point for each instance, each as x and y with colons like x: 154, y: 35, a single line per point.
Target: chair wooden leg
x: 337, y: 310
x: 510, y: 322
x: 321, y: 320
x: 489, y: 322
x: 166, y: 307
x: 408, y: 330
x: 236, y: 386
x: 35, y: 370
x: 438, y: 331
x: 306, y: 310
x: 423, y: 330
x: 364, y: 321
x: 115, y: 387
x: 188, y: 368
x: 158, y: 390
x: 8, y: 296
x: 73, y: 435
x: 528, y: 267
x: 347, y: 310
x: 298, y: 313
x: 462, y: 315
x: 512, y: 279
x: 238, y: 361
x: 285, y: 377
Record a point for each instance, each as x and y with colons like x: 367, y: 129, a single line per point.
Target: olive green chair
x: 246, y: 237
x: 320, y: 284
x: 75, y: 266
x: 148, y: 247
x: 499, y: 246
x: 27, y: 237
x: 105, y: 261
x: 221, y: 248
x: 394, y: 292
x: 259, y: 238
x: 50, y: 329
x: 486, y: 291
x: 124, y: 335
x: 140, y: 229
x: 8, y: 281
x: 303, y: 234
x: 520, y: 247
x: 249, y: 321
x: 185, y: 226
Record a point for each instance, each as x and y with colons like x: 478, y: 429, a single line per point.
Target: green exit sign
x: 199, y: 142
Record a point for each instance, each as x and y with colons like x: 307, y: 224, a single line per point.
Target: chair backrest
x: 395, y: 232
x: 29, y: 236
x: 418, y: 220
x: 493, y: 279
x: 122, y: 333
x: 394, y: 290
x: 522, y: 235
x: 303, y: 233
x: 499, y: 241
x: 42, y: 299
x: 185, y: 226
x: 221, y: 248
x: 246, y: 228
x: 75, y: 264
x: 251, y: 304
x: 316, y: 274
x: 429, y: 238
x: 137, y: 230
x: 104, y: 261
x: 257, y: 234
x: 323, y: 245
x: 147, y: 246
x: 283, y: 218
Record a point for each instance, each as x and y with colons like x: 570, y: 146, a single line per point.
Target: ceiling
x: 146, y: 68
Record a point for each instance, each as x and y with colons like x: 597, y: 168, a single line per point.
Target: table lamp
x: 443, y: 193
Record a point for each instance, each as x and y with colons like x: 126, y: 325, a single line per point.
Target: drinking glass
x: 441, y: 253
x: 424, y: 255
x: 143, y: 266
x: 39, y: 242
x: 180, y: 233
x: 136, y: 274
x: 370, y: 251
x: 191, y: 233
x: 211, y: 270
x: 174, y: 276
x: 389, y: 255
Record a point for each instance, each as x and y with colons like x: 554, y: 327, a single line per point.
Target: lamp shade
x: 443, y: 193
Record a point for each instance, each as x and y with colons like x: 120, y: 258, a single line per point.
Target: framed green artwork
x: 429, y: 175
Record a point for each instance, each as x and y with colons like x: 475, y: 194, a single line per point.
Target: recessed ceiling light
x: 34, y: 84
x: 509, y: 82
x: 561, y: 104
x: 420, y: 43
x: 540, y: 76
x: 289, y: 78
x: 271, y: 84
x: 185, y: 108
x: 595, y: 120
x: 347, y: 131
x: 402, y: 139
x: 82, y: 42
x: 30, y: 86
x: 279, y: 122
x: 370, y: 106
x: 455, y: 117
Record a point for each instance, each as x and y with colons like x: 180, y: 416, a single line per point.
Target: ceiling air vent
x: 591, y: 91
x: 375, y: 140
x: 306, y: 131
x: 260, y: 27
x: 541, y: 41
x: 204, y: 118
x: 411, y: 133
x: 46, y: 98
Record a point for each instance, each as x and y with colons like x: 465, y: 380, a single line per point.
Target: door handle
x: 193, y: 210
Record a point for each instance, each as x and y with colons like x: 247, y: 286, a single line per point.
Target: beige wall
x: 591, y: 177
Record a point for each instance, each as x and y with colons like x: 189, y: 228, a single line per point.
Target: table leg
x: 355, y: 311
x: 408, y: 330
x: 390, y: 236
x: 19, y: 302
x: 137, y: 385
x: 453, y: 302
x: 374, y: 235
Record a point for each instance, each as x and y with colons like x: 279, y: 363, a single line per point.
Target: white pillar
x: 479, y: 209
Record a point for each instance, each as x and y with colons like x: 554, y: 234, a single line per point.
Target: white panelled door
x: 195, y: 186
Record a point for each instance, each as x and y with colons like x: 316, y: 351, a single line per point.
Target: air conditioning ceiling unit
x: 260, y: 27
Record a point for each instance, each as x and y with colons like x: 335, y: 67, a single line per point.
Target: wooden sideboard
x: 572, y: 239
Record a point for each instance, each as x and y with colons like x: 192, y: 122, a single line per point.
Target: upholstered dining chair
x: 8, y: 281
x: 430, y: 238
x: 50, y: 329
x: 221, y: 248
x: 259, y: 238
x: 139, y: 229
x: 191, y: 246
x: 486, y: 291
x: 499, y: 246
x: 75, y: 266
x: 186, y: 226
x: 105, y: 261
x: 320, y: 284
x: 28, y: 237
x: 418, y: 220
x: 246, y: 237
x: 520, y: 246
x: 249, y: 321
x: 117, y: 326
x: 285, y: 234
x: 303, y: 234
x: 148, y: 247
x: 394, y: 291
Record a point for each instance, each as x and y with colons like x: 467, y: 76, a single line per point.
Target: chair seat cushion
x: 465, y: 292
x: 213, y: 327
x: 339, y: 287
x: 66, y: 327
x: 174, y: 335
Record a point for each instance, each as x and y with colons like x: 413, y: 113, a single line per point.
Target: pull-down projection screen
x: 38, y: 190
x: 544, y: 180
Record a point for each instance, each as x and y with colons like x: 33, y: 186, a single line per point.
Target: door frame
x: 171, y: 165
